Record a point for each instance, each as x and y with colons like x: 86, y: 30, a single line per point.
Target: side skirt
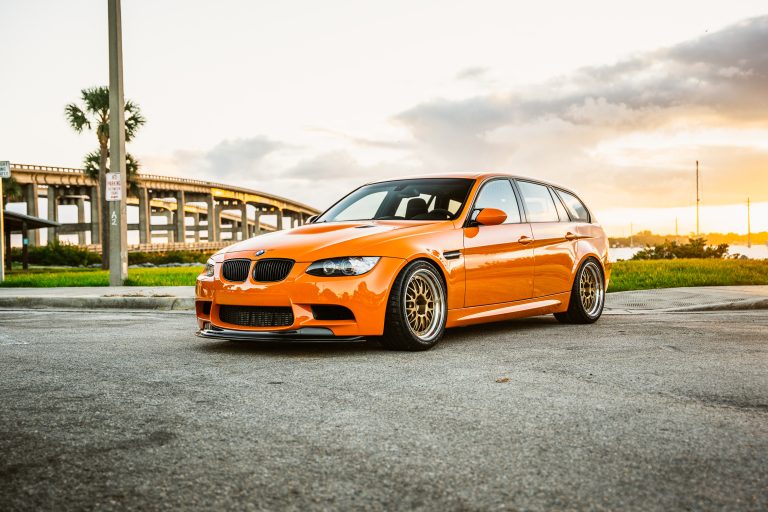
x: 508, y: 310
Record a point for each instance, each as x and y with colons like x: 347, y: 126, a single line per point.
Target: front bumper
x: 365, y: 296
x: 303, y: 335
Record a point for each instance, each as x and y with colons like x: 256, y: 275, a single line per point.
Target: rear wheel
x: 587, y: 295
x: 417, y: 309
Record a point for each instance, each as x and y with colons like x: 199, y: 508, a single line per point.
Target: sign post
x: 118, y: 228
x: 5, y: 172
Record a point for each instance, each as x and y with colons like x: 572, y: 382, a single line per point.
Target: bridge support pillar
x: 30, y: 197
x: 196, y: 223
x: 213, y: 235
x: 181, y: 225
x: 95, y: 215
x: 53, y: 212
x: 279, y: 219
x: 257, y: 223
x: 169, y: 224
x: 80, y: 220
x: 145, y: 217
x: 244, y: 221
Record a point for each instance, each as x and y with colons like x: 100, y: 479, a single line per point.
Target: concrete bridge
x: 214, y: 214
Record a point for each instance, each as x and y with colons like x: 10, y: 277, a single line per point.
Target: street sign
x: 113, y: 186
x: 5, y: 169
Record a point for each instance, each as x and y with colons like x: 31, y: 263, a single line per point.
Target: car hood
x: 326, y: 240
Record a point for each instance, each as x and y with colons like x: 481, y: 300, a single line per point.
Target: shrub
x: 695, y: 248
x: 158, y: 258
x: 58, y: 254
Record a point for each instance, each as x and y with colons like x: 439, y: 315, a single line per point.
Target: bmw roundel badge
x: 260, y: 252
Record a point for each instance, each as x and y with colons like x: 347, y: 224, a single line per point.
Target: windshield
x: 418, y: 199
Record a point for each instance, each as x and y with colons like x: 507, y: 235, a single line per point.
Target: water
x: 756, y: 252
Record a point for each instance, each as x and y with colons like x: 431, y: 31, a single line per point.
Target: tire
x: 410, y: 323
x: 587, y: 295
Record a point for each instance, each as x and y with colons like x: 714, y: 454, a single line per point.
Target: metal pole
x: 2, y: 235
x: 697, y: 198
x: 118, y: 229
x: 749, y: 227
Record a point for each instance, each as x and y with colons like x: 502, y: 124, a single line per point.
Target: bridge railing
x: 169, y: 179
x: 166, y: 247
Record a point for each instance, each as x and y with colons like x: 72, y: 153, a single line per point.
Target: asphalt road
x: 105, y: 411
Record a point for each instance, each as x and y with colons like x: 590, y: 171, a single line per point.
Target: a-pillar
x: 53, y: 212
x: 145, y: 217
x: 30, y: 197
x: 244, y: 220
x: 196, y: 222
x: 181, y: 226
x: 213, y: 232
x: 80, y: 220
x: 95, y: 216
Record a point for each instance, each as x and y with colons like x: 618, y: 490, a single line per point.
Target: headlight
x: 208, y: 270
x: 349, y: 266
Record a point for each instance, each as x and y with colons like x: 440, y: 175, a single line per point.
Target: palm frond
x: 133, y: 120
x: 96, y: 99
x: 11, y: 190
x: 76, y: 118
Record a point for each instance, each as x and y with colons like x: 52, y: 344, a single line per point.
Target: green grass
x: 626, y: 275
x: 648, y: 274
x: 51, y: 278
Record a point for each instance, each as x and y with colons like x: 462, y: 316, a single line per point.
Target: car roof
x: 473, y: 176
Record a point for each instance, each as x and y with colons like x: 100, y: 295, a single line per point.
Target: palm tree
x: 11, y: 191
x: 94, y: 114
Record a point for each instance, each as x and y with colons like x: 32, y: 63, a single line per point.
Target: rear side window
x: 500, y: 195
x: 538, y: 202
x: 575, y: 207
x: 560, y: 208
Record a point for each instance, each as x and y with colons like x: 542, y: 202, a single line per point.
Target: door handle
x: 525, y: 240
x: 571, y: 236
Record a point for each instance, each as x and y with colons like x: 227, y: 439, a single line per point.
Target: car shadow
x: 330, y: 349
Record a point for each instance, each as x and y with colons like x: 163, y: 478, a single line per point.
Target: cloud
x: 231, y: 160
x: 555, y: 129
x: 471, y: 73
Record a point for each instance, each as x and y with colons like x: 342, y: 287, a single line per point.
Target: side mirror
x: 311, y: 219
x: 490, y: 217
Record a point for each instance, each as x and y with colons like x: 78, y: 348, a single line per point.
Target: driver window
x: 499, y: 194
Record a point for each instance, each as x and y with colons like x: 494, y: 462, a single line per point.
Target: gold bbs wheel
x: 424, y: 304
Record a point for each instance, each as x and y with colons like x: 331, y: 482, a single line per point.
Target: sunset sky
x: 616, y: 100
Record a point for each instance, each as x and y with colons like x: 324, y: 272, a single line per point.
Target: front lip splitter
x: 303, y: 334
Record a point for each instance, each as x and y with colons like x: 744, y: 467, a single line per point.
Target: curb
x: 150, y: 303
x: 738, y: 305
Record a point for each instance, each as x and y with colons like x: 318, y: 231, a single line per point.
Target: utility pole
x: 697, y: 198
x: 118, y: 229
x: 631, y: 235
x: 749, y: 227
x: 676, y: 228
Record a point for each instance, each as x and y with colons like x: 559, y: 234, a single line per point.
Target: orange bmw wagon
x: 403, y: 260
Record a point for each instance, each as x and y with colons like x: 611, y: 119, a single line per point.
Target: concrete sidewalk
x: 100, y: 297
x: 702, y: 298
x: 713, y: 298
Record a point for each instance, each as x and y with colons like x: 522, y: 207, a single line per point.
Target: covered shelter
x: 21, y: 223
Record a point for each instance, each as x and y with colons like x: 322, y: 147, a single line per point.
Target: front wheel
x: 417, y: 309
x: 587, y: 295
